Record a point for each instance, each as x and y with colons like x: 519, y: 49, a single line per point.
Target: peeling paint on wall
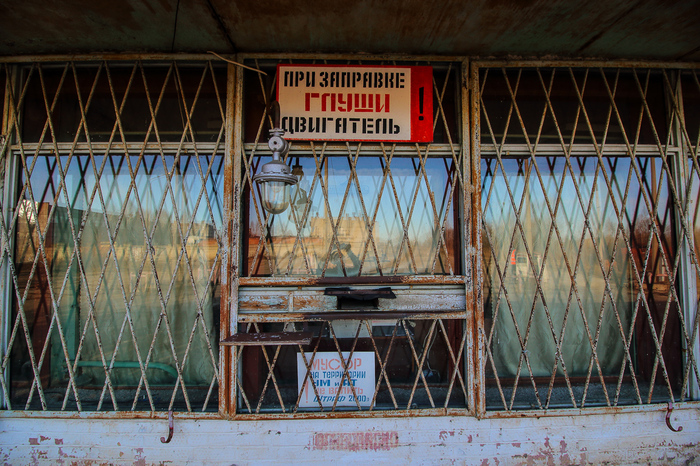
x: 354, y: 441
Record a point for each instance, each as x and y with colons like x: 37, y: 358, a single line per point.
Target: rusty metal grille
x: 419, y: 364
x: 112, y: 236
x: 360, y: 209
x: 370, y: 213
x: 589, y: 188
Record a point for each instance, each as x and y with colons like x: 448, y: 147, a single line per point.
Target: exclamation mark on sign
x: 420, y: 103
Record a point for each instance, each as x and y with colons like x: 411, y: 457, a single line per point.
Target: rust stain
x: 303, y: 302
x: 355, y: 441
x: 33, y: 441
x: 549, y: 456
x: 58, y: 441
x: 139, y: 459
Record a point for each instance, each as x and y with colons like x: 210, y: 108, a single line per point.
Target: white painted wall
x: 591, y: 439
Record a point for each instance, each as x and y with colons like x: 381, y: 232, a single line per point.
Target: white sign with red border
x: 327, y: 372
x: 356, y: 102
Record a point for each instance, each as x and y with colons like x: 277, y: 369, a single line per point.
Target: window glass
x: 361, y: 214
x: 689, y: 137
x: 406, y: 203
x: 568, y: 289
x: 581, y: 298
x: 358, y: 209
x: 116, y: 274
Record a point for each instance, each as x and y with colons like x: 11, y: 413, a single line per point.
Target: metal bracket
x: 668, y: 418
x: 170, y: 429
x: 359, y: 299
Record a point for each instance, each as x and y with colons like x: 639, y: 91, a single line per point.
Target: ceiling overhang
x: 635, y: 30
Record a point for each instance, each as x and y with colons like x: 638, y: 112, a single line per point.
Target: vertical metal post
x: 470, y: 354
x: 9, y: 200
x: 227, y: 386
x: 477, y: 254
x: 237, y: 236
x: 232, y: 236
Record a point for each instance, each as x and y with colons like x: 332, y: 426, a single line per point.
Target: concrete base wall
x: 636, y: 438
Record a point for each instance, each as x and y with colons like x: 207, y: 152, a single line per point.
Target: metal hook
x: 668, y: 418
x: 170, y: 428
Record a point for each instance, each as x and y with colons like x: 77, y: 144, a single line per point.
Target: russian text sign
x: 327, y: 372
x: 356, y: 102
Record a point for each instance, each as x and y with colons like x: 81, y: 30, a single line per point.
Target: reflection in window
x: 97, y: 295
x: 576, y: 295
x: 373, y: 218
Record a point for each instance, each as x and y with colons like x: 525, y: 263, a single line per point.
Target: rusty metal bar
x: 227, y: 356
x: 683, y: 176
x: 435, y: 60
x: 529, y: 63
x: 268, y: 339
x: 364, y: 315
x: 372, y: 149
x: 583, y: 150
x: 8, y: 179
x: 363, y: 280
x: 471, y: 232
x: 345, y: 414
x: 233, y: 199
x: 86, y: 148
x: 329, y: 315
x: 112, y: 57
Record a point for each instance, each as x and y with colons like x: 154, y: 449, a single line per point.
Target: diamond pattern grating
x: 397, y: 200
x: 115, y: 232
x: 113, y: 238
x: 589, y: 178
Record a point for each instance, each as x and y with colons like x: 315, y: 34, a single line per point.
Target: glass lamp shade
x: 275, y: 196
x: 275, y: 177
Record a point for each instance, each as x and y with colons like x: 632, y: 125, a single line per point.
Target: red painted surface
x: 356, y: 441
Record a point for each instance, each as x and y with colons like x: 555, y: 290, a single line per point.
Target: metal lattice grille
x: 113, y: 236
x: 589, y: 204
x: 359, y: 209
x: 418, y: 365
x: 362, y: 213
